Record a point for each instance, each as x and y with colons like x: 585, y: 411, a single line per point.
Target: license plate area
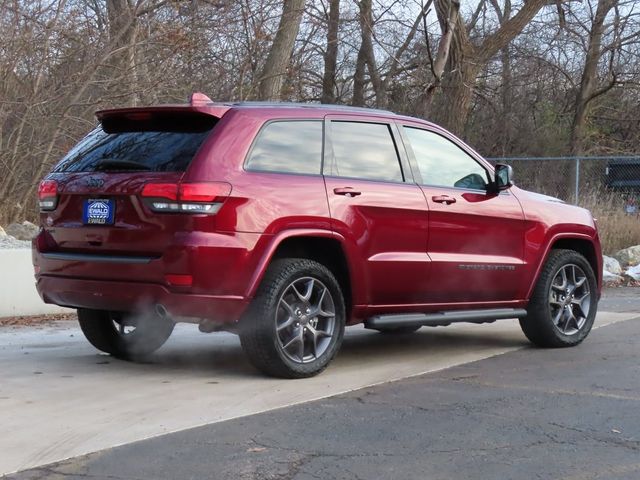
x: 98, y: 211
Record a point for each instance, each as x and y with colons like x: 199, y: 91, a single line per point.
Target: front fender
x: 552, y: 240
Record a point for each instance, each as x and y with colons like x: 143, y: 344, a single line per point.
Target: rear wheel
x: 295, y: 324
x: 125, y: 335
x: 563, y: 306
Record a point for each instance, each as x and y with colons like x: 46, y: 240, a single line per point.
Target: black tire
x: 274, y: 317
x: 399, y: 330
x: 107, y: 332
x: 555, y: 316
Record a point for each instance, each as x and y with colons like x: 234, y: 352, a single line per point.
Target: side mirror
x: 503, y: 178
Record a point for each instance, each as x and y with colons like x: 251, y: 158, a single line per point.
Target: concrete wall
x: 18, y: 294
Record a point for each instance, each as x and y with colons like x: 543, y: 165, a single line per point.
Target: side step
x: 443, y: 318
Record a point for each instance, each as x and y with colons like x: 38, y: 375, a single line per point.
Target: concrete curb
x: 18, y: 295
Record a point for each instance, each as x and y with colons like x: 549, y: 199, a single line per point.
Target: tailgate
x: 94, y: 203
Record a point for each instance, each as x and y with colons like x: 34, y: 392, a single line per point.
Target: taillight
x: 179, y: 280
x: 161, y: 190
x: 186, y: 197
x: 48, y: 195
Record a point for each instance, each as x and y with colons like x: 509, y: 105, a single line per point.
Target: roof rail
x: 329, y: 106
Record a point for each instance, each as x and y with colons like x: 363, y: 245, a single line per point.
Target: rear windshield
x: 156, y: 144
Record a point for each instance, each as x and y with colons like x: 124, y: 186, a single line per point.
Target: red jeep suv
x: 285, y: 222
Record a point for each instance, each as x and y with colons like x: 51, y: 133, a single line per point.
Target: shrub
x: 617, y: 229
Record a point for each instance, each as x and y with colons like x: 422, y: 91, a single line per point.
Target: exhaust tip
x: 161, y: 310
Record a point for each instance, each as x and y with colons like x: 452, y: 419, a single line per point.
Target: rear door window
x: 157, y: 144
x: 364, y: 150
x: 288, y: 146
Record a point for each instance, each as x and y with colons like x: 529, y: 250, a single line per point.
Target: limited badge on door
x: 98, y: 211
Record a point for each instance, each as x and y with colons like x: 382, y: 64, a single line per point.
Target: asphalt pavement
x: 520, y: 414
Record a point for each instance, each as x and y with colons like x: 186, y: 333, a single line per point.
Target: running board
x: 443, y: 318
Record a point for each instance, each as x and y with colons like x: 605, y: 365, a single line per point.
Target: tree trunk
x: 275, y: 67
x: 331, y: 55
x: 442, y: 55
x: 506, y: 131
x: 122, y: 43
x: 588, y: 84
x: 455, y: 103
x: 366, y: 57
x: 506, y: 120
x: 358, y: 79
x: 467, y: 60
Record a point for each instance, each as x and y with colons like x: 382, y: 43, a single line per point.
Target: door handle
x: 347, y: 191
x: 444, y: 199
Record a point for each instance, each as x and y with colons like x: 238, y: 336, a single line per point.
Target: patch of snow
x: 608, y: 277
x: 633, y: 272
x: 7, y: 241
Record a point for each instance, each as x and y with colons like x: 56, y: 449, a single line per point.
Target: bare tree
x: 467, y: 59
x: 331, y: 55
x: 123, y: 28
x: 442, y: 54
x: 366, y: 59
x: 275, y: 67
x: 588, y: 90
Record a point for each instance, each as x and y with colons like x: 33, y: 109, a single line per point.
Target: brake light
x: 139, y: 116
x: 161, y: 190
x: 203, y: 192
x: 48, y: 195
x: 186, y: 197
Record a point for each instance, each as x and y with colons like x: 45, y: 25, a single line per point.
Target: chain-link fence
x: 578, y: 179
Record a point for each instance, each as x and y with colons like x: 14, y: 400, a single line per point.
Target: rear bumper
x: 134, y: 296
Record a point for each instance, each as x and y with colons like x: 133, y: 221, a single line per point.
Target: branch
x: 444, y: 46
x: 475, y: 16
x: 426, y: 40
x: 605, y: 89
x: 509, y: 29
x: 393, y: 69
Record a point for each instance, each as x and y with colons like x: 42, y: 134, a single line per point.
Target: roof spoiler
x: 197, y: 99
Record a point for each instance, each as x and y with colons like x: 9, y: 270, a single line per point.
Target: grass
x: 617, y: 229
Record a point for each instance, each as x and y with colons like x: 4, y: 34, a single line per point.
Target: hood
x: 539, y: 197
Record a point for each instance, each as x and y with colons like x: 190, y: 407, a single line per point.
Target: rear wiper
x: 114, y: 164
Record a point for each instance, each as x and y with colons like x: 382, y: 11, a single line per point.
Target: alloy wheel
x: 569, y: 299
x: 305, y: 320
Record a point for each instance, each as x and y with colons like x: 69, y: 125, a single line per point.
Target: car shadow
x: 221, y: 354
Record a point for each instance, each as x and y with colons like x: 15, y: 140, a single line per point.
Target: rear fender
x: 355, y: 273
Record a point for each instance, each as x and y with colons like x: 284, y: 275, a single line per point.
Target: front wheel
x: 125, y: 335
x: 563, y: 306
x: 295, y: 324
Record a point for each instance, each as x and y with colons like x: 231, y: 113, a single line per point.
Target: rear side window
x: 364, y: 150
x: 289, y: 147
x: 157, y: 144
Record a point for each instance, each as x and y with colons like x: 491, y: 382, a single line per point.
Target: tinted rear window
x: 157, y: 144
x: 364, y: 150
x: 292, y: 146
